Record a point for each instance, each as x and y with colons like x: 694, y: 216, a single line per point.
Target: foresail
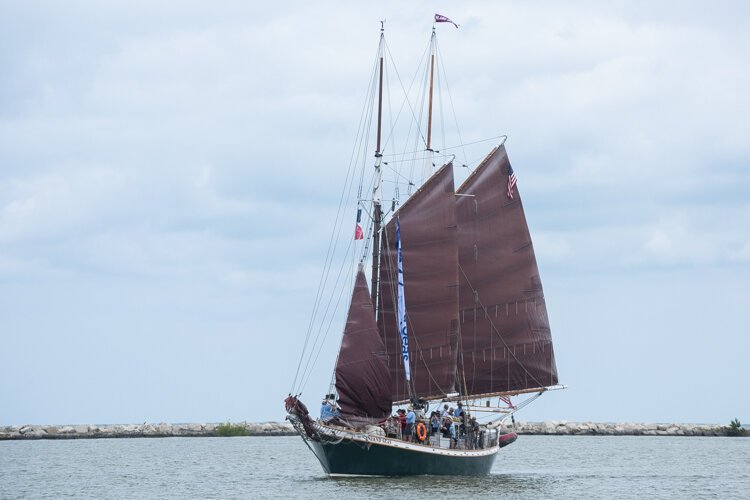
x: 362, y: 377
x: 506, y: 343
x: 430, y: 261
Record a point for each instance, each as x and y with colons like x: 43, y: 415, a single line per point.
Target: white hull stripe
x: 395, y: 443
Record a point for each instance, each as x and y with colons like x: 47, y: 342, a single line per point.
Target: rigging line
x: 338, y: 238
x: 492, y: 323
x: 360, y: 145
x: 424, y: 94
x: 406, y: 93
x: 446, y: 148
x: 351, y: 282
x: 322, y: 343
x: 460, y: 347
x: 393, y: 120
x: 398, y: 175
x: 411, y: 160
x: 453, y: 109
x: 504, y: 137
x: 415, y: 121
x: 329, y: 255
x: 308, y: 367
x: 439, y: 58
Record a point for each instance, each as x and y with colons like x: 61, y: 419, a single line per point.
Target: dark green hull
x: 374, y: 459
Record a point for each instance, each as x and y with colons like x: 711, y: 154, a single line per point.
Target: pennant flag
x: 358, y: 233
x: 511, y: 181
x: 442, y: 19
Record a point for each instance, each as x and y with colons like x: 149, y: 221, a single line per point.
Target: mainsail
x: 362, y: 378
x: 476, y: 318
x: 505, y: 336
x: 430, y: 259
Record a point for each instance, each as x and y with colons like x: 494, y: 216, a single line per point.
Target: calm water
x: 556, y: 467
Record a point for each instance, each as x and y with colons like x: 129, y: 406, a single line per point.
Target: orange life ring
x: 421, y: 432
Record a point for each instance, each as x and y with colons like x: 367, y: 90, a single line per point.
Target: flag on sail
x: 506, y: 400
x: 442, y: 19
x: 512, y: 179
x: 358, y: 233
x: 402, y: 305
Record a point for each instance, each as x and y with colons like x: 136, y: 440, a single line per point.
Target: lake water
x: 558, y: 467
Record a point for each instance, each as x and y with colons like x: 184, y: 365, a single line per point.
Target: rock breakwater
x: 562, y: 428
x: 136, y: 430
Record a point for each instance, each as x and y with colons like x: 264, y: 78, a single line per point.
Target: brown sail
x: 505, y: 336
x: 430, y: 262
x: 362, y: 378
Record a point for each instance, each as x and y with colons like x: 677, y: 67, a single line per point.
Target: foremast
x: 377, y: 210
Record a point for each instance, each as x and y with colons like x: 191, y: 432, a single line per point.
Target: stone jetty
x: 562, y: 428
x: 137, y: 430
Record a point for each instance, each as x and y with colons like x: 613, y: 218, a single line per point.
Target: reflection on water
x: 435, y: 486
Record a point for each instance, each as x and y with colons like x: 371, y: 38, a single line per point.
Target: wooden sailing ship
x: 455, y: 311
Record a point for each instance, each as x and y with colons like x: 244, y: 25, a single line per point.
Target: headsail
x: 430, y: 258
x: 362, y: 378
x: 505, y: 334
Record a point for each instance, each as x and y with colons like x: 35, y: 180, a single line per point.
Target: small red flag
x: 358, y: 233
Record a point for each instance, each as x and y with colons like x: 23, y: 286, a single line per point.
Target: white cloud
x: 161, y: 159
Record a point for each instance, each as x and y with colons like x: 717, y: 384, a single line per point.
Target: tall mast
x: 377, y: 212
x: 427, y: 168
x: 432, y: 79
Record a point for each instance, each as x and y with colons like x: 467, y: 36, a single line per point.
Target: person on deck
x: 411, y: 419
x: 402, y: 420
x: 460, y: 414
x: 474, y: 425
x: 454, y: 433
x: 434, y: 423
x: 328, y: 410
x: 459, y: 411
x: 392, y: 427
x: 447, y: 423
x: 444, y: 412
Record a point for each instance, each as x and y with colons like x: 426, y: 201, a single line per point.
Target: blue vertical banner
x: 402, y: 305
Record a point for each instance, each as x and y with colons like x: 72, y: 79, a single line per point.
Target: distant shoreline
x: 161, y: 430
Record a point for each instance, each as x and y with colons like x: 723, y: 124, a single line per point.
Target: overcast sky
x: 169, y: 172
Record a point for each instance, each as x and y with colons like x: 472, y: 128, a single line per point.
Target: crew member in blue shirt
x: 460, y: 411
x: 411, y: 419
x: 328, y: 409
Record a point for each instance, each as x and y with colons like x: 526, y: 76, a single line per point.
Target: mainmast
x: 427, y: 170
x: 377, y: 212
x: 432, y: 80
